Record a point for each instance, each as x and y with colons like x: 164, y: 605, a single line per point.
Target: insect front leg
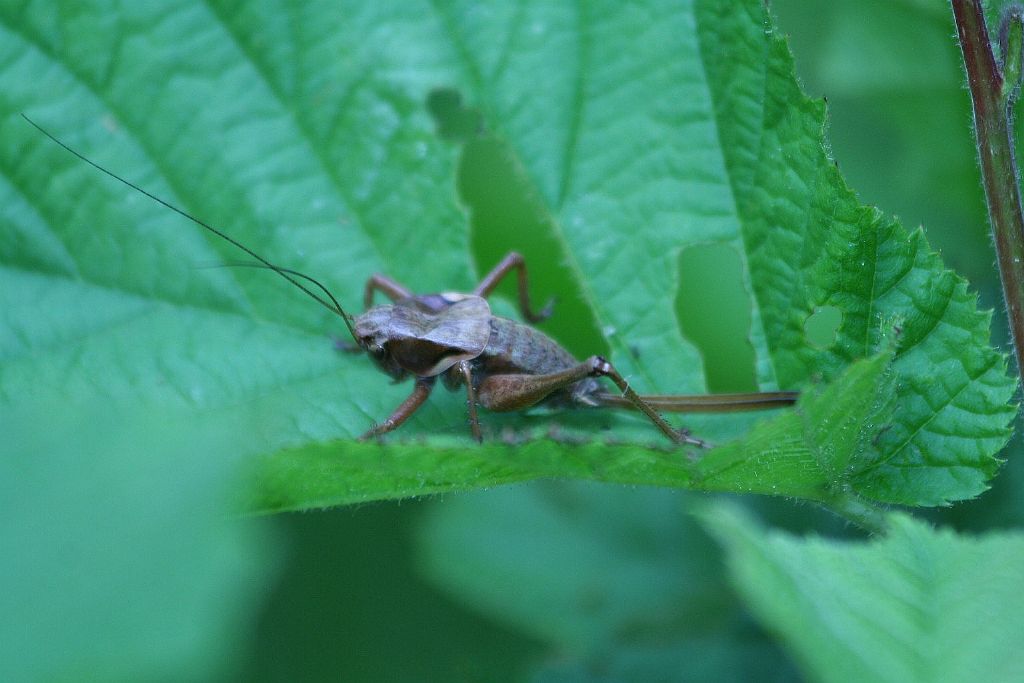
x: 513, y: 260
x: 392, y: 289
x: 420, y: 390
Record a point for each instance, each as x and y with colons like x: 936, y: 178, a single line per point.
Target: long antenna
x: 286, y: 273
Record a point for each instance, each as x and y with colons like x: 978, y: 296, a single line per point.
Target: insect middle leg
x: 391, y: 288
x: 514, y: 260
x: 420, y: 391
x: 515, y: 392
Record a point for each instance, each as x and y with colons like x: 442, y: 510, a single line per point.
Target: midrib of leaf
x: 351, y: 206
x: 576, y: 108
x: 871, y: 297
x: 756, y: 318
x: 921, y: 575
x: 506, y: 50
x: 888, y: 458
x: 470, y: 69
x: 34, y: 347
x: 41, y: 210
x: 156, y: 160
x: 62, y: 263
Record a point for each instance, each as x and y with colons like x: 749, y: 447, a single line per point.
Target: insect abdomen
x: 515, y: 348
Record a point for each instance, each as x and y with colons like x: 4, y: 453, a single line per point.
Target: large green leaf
x: 302, y: 129
x: 918, y: 605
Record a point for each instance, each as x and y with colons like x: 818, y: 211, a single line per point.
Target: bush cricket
x: 501, y: 364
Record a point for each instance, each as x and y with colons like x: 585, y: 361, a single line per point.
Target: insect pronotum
x: 501, y: 364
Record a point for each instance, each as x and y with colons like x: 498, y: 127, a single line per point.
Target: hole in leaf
x: 506, y: 214
x: 455, y: 122
x: 821, y: 326
x: 713, y: 308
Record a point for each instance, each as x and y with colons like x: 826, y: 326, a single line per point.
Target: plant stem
x: 993, y: 124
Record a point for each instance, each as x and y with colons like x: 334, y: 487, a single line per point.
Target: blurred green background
x: 361, y: 595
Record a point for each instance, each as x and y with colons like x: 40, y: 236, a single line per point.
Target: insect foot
x: 420, y: 391
x: 600, y: 366
x: 686, y: 436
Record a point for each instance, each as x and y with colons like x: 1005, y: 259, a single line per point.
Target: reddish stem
x: 993, y: 125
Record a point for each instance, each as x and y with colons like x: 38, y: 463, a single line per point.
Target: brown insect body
x: 429, y: 335
x: 503, y: 364
x: 519, y: 350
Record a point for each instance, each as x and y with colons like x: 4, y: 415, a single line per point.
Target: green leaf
x: 302, y: 130
x: 917, y: 605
